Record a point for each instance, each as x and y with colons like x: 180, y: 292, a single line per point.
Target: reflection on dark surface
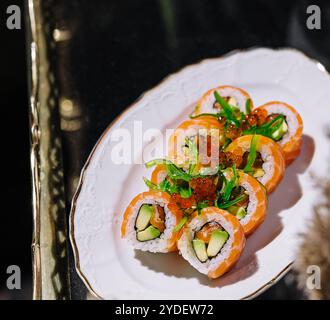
x: 109, y: 53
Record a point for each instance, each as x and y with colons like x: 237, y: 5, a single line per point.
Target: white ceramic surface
x: 113, y: 270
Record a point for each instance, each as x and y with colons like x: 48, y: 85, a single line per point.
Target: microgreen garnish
x: 209, y: 171
x: 215, y: 115
x: 232, y: 202
x: 150, y: 184
x: 185, y: 192
x: 227, y: 109
x: 193, y: 152
x: 229, y: 185
x: 201, y: 205
x: 252, y: 154
x: 173, y: 171
x: 176, y: 173
x: 248, y: 106
x: 223, y: 200
x: 268, y: 129
x: 156, y: 162
x: 227, y: 143
x: 168, y: 187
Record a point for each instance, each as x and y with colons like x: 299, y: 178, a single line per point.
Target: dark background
x: 16, y: 214
x: 116, y: 51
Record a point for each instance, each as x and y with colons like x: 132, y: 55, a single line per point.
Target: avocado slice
x: 241, y: 213
x: 258, y: 173
x: 233, y: 209
x: 145, y: 213
x: 200, y: 249
x: 232, y: 101
x: 278, y: 134
x: 217, y: 240
x: 148, y: 234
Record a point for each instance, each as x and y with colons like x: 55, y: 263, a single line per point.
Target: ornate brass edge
x: 49, y: 238
x: 34, y: 155
x: 76, y: 195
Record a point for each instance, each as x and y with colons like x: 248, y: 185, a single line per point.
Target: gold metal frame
x: 49, y: 243
x: 34, y: 156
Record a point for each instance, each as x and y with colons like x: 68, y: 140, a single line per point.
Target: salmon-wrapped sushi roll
x: 289, y: 135
x: 261, y: 157
x: 149, y: 222
x: 251, y: 209
x: 212, y: 241
x: 195, y: 142
x: 234, y: 96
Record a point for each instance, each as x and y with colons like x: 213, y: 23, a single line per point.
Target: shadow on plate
x: 284, y: 197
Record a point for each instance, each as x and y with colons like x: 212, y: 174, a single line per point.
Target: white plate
x: 113, y: 270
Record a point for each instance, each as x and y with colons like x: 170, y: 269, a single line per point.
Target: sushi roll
x: 149, y: 222
x: 251, y: 210
x: 261, y: 157
x: 234, y: 96
x: 212, y: 241
x: 195, y: 142
x: 289, y: 135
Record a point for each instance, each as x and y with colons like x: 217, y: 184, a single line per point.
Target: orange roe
x: 228, y: 159
x: 261, y: 115
x: 204, y: 189
x: 233, y: 132
x: 182, y: 203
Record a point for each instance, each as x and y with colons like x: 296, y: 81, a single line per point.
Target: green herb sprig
x: 267, y: 129
x: 252, y: 154
x: 227, y: 109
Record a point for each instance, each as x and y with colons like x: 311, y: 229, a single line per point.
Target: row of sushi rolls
x: 204, y: 207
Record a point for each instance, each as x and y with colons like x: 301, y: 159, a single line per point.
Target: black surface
x: 16, y: 216
x: 118, y: 50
